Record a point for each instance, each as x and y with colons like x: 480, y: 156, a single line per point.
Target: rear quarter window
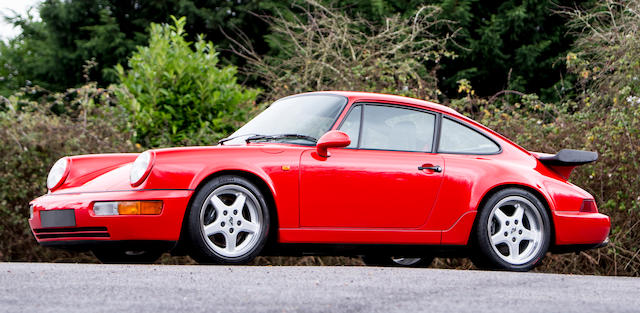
x: 458, y: 138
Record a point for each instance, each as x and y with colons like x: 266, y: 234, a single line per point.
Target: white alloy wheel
x: 231, y: 221
x: 515, y: 229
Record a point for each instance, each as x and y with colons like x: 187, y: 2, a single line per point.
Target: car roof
x: 372, y: 96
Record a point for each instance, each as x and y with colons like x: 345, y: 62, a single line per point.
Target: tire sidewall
x: 199, y: 249
x: 489, y: 258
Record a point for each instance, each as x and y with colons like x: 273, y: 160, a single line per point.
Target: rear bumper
x: 580, y: 228
x: 90, y: 228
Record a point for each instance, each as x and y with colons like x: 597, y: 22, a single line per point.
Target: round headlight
x: 58, y: 173
x: 141, y: 168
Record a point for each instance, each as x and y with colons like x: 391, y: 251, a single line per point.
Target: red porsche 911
x: 395, y: 180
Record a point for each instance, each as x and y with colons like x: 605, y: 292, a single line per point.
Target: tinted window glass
x: 458, y: 138
x: 392, y: 128
x: 351, y: 126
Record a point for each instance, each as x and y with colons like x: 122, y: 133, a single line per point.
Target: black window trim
x: 436, y: 126
x: 473, y: 128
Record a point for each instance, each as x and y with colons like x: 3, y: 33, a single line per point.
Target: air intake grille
x: 71, y: 232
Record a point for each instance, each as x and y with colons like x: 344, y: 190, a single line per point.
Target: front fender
x: 277, y: 166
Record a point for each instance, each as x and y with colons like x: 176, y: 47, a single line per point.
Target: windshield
x: 306, y: 115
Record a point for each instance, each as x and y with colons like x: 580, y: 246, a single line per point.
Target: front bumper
x: 88, y: 227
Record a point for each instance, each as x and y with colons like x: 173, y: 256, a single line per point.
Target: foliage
x: 51, y: 51
x: 517, y: 45
x: 606, y: 55
x: 177, y: 95
x: 510, y: 45
x: 328, y: 50
x: 606, y: 61
x: 32, y: 138
x: 501, y: 45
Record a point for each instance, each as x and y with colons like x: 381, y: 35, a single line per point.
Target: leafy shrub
x: 32, y: 138
x: 177, y: 95
x: 328, y: 50
x: 606, y: 53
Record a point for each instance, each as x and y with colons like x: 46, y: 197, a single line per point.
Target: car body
x: 391, y: 173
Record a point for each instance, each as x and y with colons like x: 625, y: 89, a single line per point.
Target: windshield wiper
x: 221, y: 141
x: 281, y: 136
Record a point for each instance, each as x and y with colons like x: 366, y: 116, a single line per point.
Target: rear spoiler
x: 566, y: 160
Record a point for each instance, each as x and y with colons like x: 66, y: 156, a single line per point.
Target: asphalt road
x: 42, y: 287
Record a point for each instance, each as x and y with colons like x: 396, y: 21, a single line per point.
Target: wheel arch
x: 262, y: 185
x: 530, y: 189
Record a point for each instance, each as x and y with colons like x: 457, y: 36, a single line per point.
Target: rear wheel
x: 119, y: 255
x: 513, y: 232
x: 376, y: 260
x: 228, y: 222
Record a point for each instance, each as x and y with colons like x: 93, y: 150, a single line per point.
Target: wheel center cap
x: 513, y: 230
x: 231, y: 220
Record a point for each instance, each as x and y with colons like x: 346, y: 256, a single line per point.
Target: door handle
x: 435, y: 168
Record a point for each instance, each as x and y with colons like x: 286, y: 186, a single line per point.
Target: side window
x: 393, y: 128
x: 351, y: 125
x: 457, y: 138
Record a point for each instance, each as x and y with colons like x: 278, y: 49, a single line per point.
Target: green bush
x: 179, y: 95
x: 32, y: 138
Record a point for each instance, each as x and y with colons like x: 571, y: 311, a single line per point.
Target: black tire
x: 119, y: 255
x: 512, y: 251
x: 388, y: 261
x: 210, y: 249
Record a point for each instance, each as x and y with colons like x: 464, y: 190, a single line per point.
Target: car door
x: 387, y: 178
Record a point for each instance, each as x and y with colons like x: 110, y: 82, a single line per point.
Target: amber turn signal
x: 129, y: 208
x: 139, y: 207
x: 150, y: 207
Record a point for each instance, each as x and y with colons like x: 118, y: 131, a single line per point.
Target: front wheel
x: 376, y: 260
x: 228, y: 222
x: 513, y: 232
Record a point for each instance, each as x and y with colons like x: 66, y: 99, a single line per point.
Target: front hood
x: 115, y: 179
x: 97, y: 172
x: 174, y: 168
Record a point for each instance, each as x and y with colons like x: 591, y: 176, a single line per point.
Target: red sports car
x: 393, y: 179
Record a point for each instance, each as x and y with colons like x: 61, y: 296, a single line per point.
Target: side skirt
x: 354, y: 250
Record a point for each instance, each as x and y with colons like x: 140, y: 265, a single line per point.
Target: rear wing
x: 568, y: 157
x: 566, y: 160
